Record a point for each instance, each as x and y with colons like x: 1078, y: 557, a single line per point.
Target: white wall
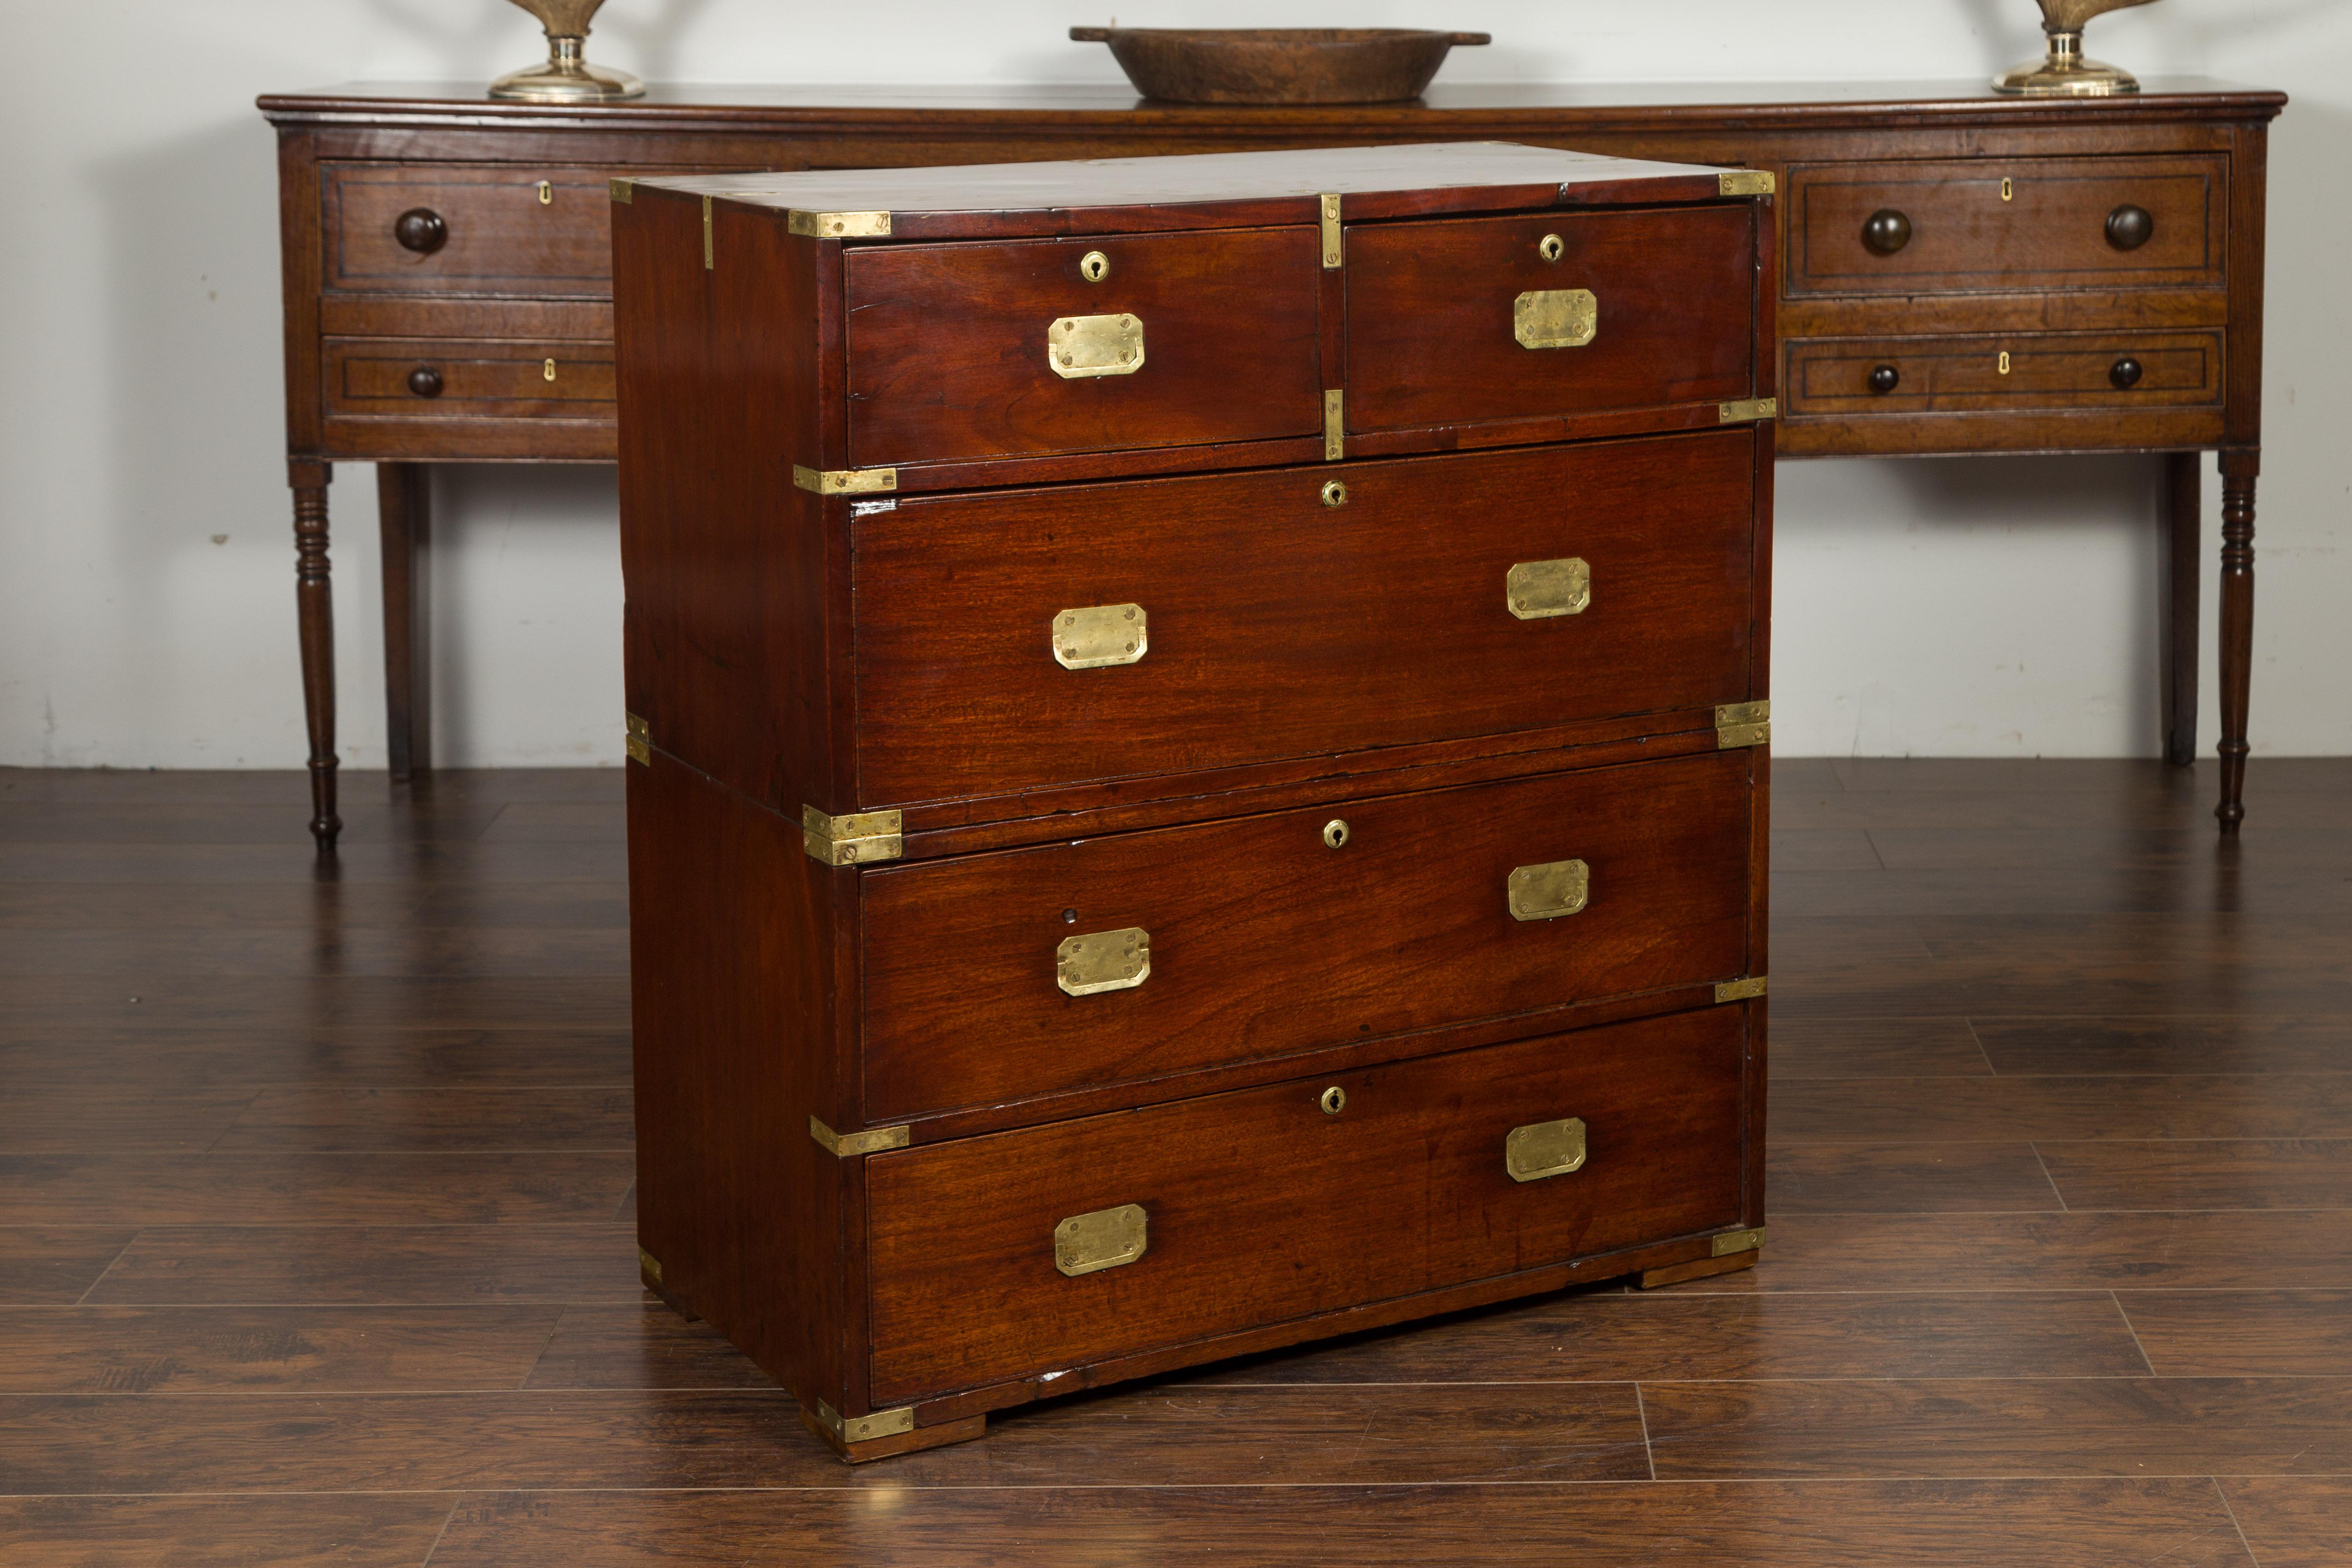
x: 2001, y: 607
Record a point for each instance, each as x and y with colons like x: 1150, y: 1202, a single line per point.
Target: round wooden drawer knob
x: 2130, y: 227
x: 424, y: 382
x: 2125, y: 372
x: 1886, y: 231
x: 1884, y: 377
x: 420, y: 229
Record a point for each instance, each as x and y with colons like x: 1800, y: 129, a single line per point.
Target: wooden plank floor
x: 315, y: 1239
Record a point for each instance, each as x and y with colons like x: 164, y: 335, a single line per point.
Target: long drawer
x: 425, y: 379
x: 1018, y: 638
x: 1124, y: 1233
x: 2118, y: 370
x: 2010, y: 224
x: 1022, y: 973
x: 492, y: 229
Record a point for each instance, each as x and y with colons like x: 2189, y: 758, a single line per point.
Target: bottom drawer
x: 429, y: 378
x: 1273, y: 1204
x: 1930, y: 375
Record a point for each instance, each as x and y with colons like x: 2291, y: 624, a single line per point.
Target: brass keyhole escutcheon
x: 1093, y: 267
x: 548, y: 370
x: 1335, y: 494
x: 1550, y: 248
x: 1335, y: 834
x: 2008, y: 189
x: 1334, y: 1101
x: 546, y: 193
x: 2005, y: 362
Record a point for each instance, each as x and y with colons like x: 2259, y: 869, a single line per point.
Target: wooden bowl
x: 1277, y: 65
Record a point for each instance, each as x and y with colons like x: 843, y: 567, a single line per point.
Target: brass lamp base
x: 566, y: 78
x: 2064, y: 73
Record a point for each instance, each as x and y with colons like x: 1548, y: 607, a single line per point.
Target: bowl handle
x: 1090, y: 34
x: 1458, y: 37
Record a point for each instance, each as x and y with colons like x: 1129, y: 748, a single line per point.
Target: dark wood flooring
x: 315, y: 1238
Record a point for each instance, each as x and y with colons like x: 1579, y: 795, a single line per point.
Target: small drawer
x: 504, y: 229
x: 424, y: 379
x: 1021, y: 972
x: 1125, y: 1233
x: 1943, y: 375
x: 977, y: 350
x: 1481, y: 319
x: 1996, y: 225
x: 1293, y: 611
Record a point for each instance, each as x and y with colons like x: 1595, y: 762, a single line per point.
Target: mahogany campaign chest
x: 1200, y: 731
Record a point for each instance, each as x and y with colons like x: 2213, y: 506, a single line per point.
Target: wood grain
x: 2242, y: 1334
x: 350, y: 1531
x: 48, y: 1263
x: 376, y: 1264
x: 1907, y: 1178
x: 337, y: 1350
x: 2298, y: 1522
x: 2000, y: 1110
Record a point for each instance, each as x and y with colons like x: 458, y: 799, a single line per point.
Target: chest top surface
x: 1229, y: 189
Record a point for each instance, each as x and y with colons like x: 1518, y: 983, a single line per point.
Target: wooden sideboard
x: 1961, y: 273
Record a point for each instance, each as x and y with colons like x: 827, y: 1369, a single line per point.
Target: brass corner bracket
x: 649, y: 1266
x: 872, y: 1141
x: 1333, y: 255
x: 1745, y: 183
x: 1732, y: 1242
x: 1743, y: 724
x: 852, y: 839
x: 623, y: 191
x: 866, y: 1428
x: 1740, y: 991
x: 838, y: 226
x: 1746, y: 409
x: 640, y: 739
x: 845, y: 481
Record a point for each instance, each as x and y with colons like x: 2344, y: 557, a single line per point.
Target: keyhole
x: 1070, y: 918
x: 1335, y: 832
x: 1093, y: 267
x: 1549, y: 247
x: 2008, y: 190
x: 1334, y: 1101
x: 546, y: 193
x: 549, y: 369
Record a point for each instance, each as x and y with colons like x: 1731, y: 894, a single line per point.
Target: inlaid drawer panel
x: 1928, y: 375
x: 424, y: 379
x: 1082, y: 345
x: 1292, y: 611
x: 1268, y: 1205
x: 1025, y: 972
x: 496, y: 228
x: 2013, y: 225
x: 1477, y: 320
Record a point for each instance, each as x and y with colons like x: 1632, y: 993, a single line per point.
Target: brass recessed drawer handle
x: 1078, y: 347
x: 1548, y: 892
x: 1539, y: 590
x: 1544, y: 1149
x: 1103, y: 961
x: 1106, y: 1238
x: 1100, y: 636
x: 1555, y: 318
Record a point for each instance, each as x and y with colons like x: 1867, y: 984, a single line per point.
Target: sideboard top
x: 1425, y: 177
x: 1444, y: 108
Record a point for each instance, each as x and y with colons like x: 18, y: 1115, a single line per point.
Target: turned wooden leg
x: 404, y: 508
x: 315, y: 606
x: 2179, y: 572
x: 2238, y: 470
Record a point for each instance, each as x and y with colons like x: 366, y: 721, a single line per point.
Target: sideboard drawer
x: 2117, y: 370
x: 1259, y: 938
x: 1461, y: 321
x: 1276, y: 624
x: 1261, y: 1207
x: 984, y: 349
x: 425, y: 378
x: 2009, y: 225
x: 492, y: 229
